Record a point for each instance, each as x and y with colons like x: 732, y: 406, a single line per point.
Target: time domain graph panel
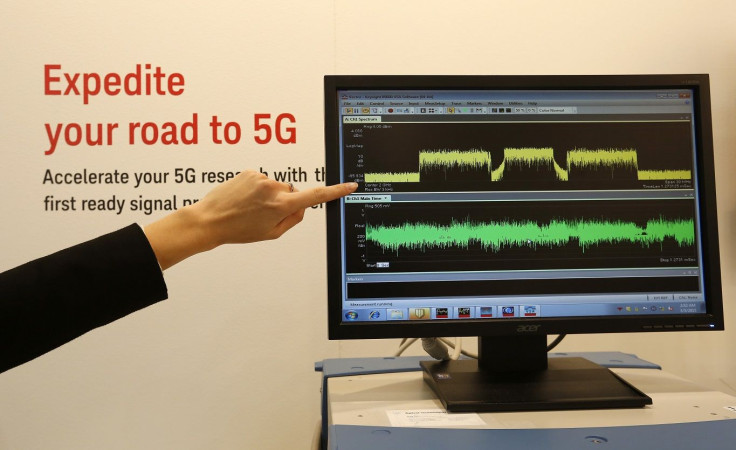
x: 503, y: 235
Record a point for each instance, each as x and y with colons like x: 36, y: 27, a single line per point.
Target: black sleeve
x: 52, y: 300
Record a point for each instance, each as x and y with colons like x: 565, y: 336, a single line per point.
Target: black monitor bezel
x: 699, y: 83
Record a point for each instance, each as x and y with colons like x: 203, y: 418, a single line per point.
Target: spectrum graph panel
x: 519, y: 156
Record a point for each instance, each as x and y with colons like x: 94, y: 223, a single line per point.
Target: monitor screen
x: 521, y: 205
x: 513, y: 207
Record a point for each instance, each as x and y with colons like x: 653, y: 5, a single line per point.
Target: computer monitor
x: 516, y: 207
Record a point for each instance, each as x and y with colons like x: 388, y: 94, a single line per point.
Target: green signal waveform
x: 527, y: 158
x: 495, y: 236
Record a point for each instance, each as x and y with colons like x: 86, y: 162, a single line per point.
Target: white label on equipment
x: 432, y: 418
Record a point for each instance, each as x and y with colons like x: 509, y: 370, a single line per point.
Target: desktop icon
x: 395, y: 314
x: 463, y: 313
x: 442, y: 313
x: 530, y: 311
x: 508, y: 311
x: 486, y: 311
x: 419, y: 313
x: 374, y: 315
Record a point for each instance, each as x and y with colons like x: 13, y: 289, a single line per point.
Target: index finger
x: 321, y: 194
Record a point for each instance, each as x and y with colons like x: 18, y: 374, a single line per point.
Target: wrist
x: 201, y: 227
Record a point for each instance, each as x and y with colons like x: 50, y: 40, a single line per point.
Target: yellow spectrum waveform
x: 527, y: 157
x: 449, y: 159
x: 627, y: 158
x: 472, y: 159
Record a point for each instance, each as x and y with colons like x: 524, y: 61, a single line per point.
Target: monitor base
x: 567, y: 383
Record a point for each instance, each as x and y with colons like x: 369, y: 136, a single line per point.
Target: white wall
x: 216, y: 366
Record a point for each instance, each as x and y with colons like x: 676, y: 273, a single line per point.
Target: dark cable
x: 554, y: 343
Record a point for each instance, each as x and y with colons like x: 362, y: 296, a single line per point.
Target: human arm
x: 54, y: 299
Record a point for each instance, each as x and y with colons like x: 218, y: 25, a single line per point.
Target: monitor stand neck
x: 502, y: 354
